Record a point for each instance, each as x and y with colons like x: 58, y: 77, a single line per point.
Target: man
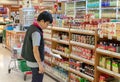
x: 33, y: 46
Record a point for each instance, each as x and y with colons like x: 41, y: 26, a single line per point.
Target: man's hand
x: 41, y: 68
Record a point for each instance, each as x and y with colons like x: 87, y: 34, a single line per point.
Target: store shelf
x: 82, y: 45
x: 60, y: 29
x: 108, y: 53
x: 82, y: 59
x: 60, y: 41
x: 111, y: 73
x: 60, y: 53
x: 82, y: 31
x: 54, y: 76
x: 82, y: 74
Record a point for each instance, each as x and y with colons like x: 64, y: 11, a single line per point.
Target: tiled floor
x: 13, y: 76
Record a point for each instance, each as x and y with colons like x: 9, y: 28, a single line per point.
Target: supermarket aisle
x: 13, y: 76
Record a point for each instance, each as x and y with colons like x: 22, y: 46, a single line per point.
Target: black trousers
x: 36, y: 76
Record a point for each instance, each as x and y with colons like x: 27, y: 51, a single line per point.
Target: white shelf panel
x: 82, y: 31
x: 109, y: 53
x: 60, y: 41
x: 82, y: 45
x: 111, y: 73
x: 82, y: 74
x: 82, y: 59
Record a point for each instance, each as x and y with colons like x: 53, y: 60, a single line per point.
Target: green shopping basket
x: 23, y: 66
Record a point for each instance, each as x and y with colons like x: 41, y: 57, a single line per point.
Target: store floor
x: 14, y: 76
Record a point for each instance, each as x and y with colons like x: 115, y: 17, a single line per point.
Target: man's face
x: 44, y: 24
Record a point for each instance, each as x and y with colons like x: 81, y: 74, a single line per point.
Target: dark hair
x: 46, y: 16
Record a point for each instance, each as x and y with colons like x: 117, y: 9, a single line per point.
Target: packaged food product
x: 102, y: 62
x: 109, y: 64
x: 115, y: 66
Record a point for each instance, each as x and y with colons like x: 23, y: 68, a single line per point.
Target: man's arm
x: 36, y: 54
x: 36, y: 38
x: 37, y: 57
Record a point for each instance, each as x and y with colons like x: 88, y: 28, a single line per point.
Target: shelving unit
x: 71, y: 43
x: 91, y: 6
x: 51, y: 69
x: 100, y: 8
x: 14, y: 38
x: 97, y: 54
